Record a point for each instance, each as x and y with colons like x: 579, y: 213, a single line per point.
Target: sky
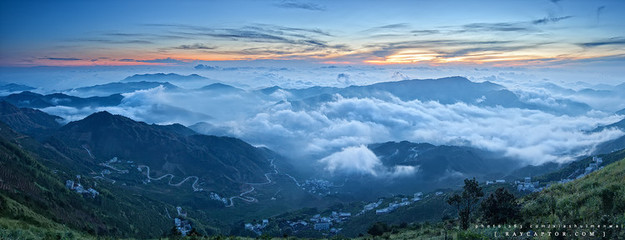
x: 533, y: 33
x: 525, y: 46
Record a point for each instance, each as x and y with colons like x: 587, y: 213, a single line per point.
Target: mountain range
x: 111, y: 153
x: 435, y: 162
x: 121, y: 87
x: 223, y: 163
x: 614, y: 144
x: 144, y: 171
x: 163, y: 77
x: 28, y: 120
x: 34, y: 100
x: 184, y: 169
x: 14, y: 87
x: 444, y: 90
x: 436, y: 167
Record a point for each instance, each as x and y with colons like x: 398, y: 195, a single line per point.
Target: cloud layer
x: 532, y: 136
x: 361, y: 160
x: 334, y: 130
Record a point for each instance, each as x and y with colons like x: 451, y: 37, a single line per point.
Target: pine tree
x: 465, y: 203
x: 500, y: 207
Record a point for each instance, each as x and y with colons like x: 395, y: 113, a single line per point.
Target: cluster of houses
x: 182, y: 224
x: 115, y: 160
x: 593, y: 166
x: 109, y: 167
x: 317, y: 186
x: 393, y: 205
x: 76, y: 186
x: 498, y: 181
x: 396, y: 204
x: 258, y: 227
x: 417, y: 196
x: 297, y: 225
x: 370, y: 206
x: 527, y: 185
x: 216, y: 197
x: 325, y: 223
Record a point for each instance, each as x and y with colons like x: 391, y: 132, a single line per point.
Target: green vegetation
x: 35, y: 204
x: 465, y: 203
x: 20, y: 222
x: 598, y: 198
x: 378, y: 229
x: 34, y: 200
x: 500, y: 207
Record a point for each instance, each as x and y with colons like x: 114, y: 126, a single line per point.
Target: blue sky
x: 491, y: 33
x: 56, y: 46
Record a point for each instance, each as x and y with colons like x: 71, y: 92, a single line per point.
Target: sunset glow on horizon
x: 347, y: 32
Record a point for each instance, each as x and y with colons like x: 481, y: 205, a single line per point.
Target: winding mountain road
x: 171, y: 177
x: 275, y: 171
x: 252, y: 199
x: 242, y: 197
x: 89, y: 152
x: 230, y: 203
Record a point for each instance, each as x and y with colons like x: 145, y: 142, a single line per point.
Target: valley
x: 229, y: 187
x: 226, y: 185
x: 304, y: 119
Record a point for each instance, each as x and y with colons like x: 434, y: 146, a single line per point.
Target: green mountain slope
x: 27, y: 120
x: 227, y: 162
x: 36, y: 196
x: 596, y: 198
x: 35, y: 200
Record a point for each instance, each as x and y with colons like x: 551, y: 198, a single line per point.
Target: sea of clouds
x: 333, y: 134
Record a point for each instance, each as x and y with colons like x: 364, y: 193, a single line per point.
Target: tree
x: 500, y: 207
x: 194, y: 233
x: 378, y: 228
x: 465, y: 203
x: 174, y: 233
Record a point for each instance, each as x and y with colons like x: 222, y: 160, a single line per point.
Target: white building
x: 248, y: 226
x: 69, y: 184
x: 93, y: 192
x: 382, y: 211
x: 345, y: 215
x: 322, y: 226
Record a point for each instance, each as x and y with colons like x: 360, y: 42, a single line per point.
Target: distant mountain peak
x: 163, y: 77
x: 6, y: 107
x: 99, y: 119
x: 35, y: 100
x: 14, y: 87
x: 29, y: 93
x: 270, y: 90
x: 221, y: 87
x: 125, y: 87
x: 27, y: 120
x: 217, y: 85
x: 454, y: 78
x: 101, y: 114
